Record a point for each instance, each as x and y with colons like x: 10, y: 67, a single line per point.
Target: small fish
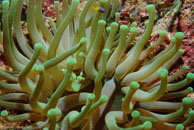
x: 98, y: 9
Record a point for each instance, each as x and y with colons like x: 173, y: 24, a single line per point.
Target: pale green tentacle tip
x: 162, y: 73
x: 83, y: 40
x: 131, y: 16
x: 56, y: 2
x: 101, y: 22
x: 187, y: 101
x: 135, y: 114
x: 114, y: 25
x: 108, y: 29
x: 134, y: 85
x: 58, y: 114
x: 106, y: 52
x: 180, y: 127
x: 179, y: 35
x: 71, y: 62
x: 150, y: 8
x: 124, y: 28
x: 185, y: 66
x: 117, y: 14
x: 4, y: 113
x: 102, y: 2
x: 82, y: 54
x: 134, y: 24
x: 133, y: 30
x: 190, y: 89
x: 163, y: 33
x: 104, y: 98
x: 181, y: 51
x: 190, y: 76
x: 38, y: 46
x: 91, y: 97
x: 38, y: 68
x: 76, y: 88
x: 77, y: 1
x: 6, y: 3
x: 52, y: 112
x: 50, y: 19
x: 147, y: 125
x: 173, y: 39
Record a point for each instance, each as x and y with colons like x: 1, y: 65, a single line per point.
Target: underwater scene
x: 96, y: 64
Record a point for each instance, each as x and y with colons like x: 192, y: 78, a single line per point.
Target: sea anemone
x: 83, y: 70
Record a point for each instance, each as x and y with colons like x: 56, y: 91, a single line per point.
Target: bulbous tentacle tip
x: 91, y: 97
x: 187, y: 101
x: 147, y: 125
x: 52, y: 112
x: 76, y: 88
x: 4, y: 113
x: 76, y: 1
x: 117, y: 13
x: 106, y: 52
x: 58, y: 114
x: 179, y: 35
x: 150, y: 8
x: 180, y: 127
x: 162, y: 73
x: 103, y: 1
x: 56, y: 2
x: 181, y: 51
x: 101, y: 22
x: 185, y: 66
x: 173, y: 39
x: 134, y: 24
x: 5, y: 2
x: 49, y: 18
x: 114, y: 25
x: 163, y: 33
x: 134, y: 85
x: 124, y: 28
x: 38, y: 46
x: 83, y: 40
x: 38, y: 68
x: 190, y: 89
x: 82, y: 54
x: 71, y: 62
x: 104, y: 98
x: 190, y: 76
x: 133, y: 30
x: 135, y: 114
x: 108, y: 29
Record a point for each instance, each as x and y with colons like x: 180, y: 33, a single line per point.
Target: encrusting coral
x: 70, y: 75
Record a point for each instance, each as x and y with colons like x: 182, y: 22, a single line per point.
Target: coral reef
x: 84, y: 69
